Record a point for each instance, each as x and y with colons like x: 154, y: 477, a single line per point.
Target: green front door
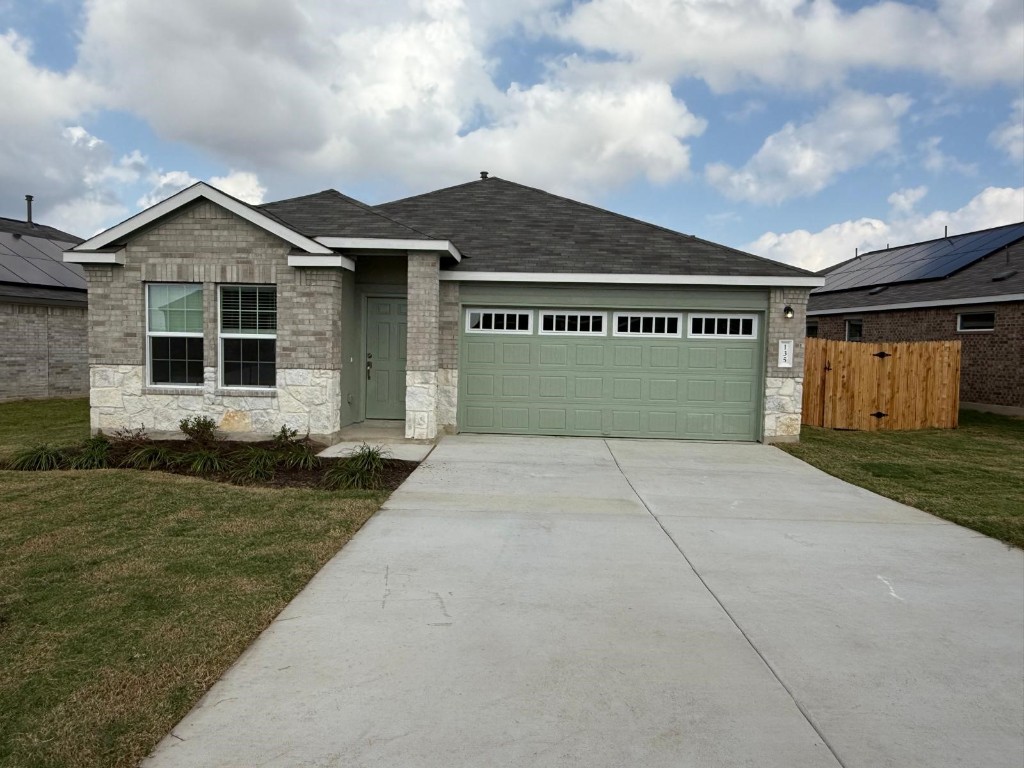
x: 385, y: 358
x: 694, y: 380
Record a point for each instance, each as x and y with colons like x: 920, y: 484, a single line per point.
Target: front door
x: 385, y: 358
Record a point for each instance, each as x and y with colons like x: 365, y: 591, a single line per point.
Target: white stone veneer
x: 421, y: 405
x: 447, y: 399
x: 305, y: 400
x: 783, y: 404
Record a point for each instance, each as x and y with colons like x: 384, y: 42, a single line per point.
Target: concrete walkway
x: 581, y: 602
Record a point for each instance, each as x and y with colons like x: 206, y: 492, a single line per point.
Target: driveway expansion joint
x: 750, y: 642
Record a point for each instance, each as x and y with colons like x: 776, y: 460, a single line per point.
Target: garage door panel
x: 630, y: 387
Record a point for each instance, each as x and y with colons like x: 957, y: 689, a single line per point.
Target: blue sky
x: 797, y: 130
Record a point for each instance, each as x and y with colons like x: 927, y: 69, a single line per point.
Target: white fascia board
x: 921, y: 304
x: 321, y: 260
x: 391, y: 244
x: 186, y: 196
x: 95, y: 257
x: 630, y: 279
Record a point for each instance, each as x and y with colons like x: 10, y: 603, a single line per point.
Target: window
x: 573, y: 323
x: 648, y: 324
x: 723, y: 327
x: 248, y: 335
x: 976, y: 321
x: 812, y: 330
x: 499, y: 321
x: 854, y: 330
x: 174, y: 334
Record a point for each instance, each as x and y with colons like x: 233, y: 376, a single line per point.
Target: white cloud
x: 800, y: 160
x: 903, y: 201
x: 244, y: 185
x: 937, y: 161
x: 1009, y: 136
x: 801, y: 43
x: 991, y: 207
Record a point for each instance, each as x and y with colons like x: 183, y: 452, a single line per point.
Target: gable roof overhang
x: 391, y: 244
x: 765, y: 281
x: 97, y: 249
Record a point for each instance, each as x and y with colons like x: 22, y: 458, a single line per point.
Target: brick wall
x: 992, y: 362
x: 783, y: 387
x: 424, y: 309
x: 43, y: 352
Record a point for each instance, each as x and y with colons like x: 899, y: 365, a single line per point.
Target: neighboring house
x: 42, y: 314
x: 968, y: 287
x: 485, y: 307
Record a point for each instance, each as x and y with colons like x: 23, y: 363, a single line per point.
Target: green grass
x: 973, y: 475
x: 124, y: 595
x: 26, y: 423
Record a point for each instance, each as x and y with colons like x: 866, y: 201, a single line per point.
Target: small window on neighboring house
x: 812, y: 329
x: 499, y: 321
x: 648, y: 324
x: 723, y: 326
x: 854, y: 330
x: 248, y: 335
x: 572, y: 323
x: 976, y: 321
x: 174, y: 334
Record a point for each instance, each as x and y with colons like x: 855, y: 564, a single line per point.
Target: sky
x: 799, y: 130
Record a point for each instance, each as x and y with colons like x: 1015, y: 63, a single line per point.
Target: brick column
x: 422, y: 347
x: 783, y: 387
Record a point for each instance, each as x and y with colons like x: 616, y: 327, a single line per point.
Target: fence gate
x: 873, y: 386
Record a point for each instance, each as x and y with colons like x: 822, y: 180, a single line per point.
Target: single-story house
x: 968, y: 287
x: 42, y: 313
x: 484, y: 307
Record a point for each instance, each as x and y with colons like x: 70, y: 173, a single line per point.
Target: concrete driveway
x: 582, y: 602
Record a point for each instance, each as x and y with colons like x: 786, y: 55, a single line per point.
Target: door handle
x: 369, y: 367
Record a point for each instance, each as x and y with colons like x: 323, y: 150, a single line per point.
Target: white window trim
x: 503, y: 311
x: 165, y: 334
x: 959, y: 320
x: 572, y: 313
x: 221, y: 336
x: 752, y: 336
x: 641, y: 335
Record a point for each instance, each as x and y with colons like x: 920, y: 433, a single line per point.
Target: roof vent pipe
x: 945, y: 233
x: 28, y: 207
x: 484, y: 174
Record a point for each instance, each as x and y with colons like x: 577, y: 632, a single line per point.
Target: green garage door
x: 610, y: 372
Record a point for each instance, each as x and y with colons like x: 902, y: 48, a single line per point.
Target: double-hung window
x: 248, y: 335
x: 174, y: 334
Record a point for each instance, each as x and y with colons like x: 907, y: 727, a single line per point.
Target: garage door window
x: 648, y: 324
x: 723, y: 326
x: 569, y: 323
x: 499, y: 321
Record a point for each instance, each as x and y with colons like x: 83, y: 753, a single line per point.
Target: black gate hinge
x: 879, y: 414
x: 882, y: 355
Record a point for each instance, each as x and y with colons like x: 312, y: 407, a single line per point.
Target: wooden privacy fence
x: 873, y: 386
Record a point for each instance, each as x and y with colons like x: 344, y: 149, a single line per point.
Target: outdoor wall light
x: 787, y: 312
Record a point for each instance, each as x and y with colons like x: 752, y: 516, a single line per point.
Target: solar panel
x: 920, y: 261
x: 37, y: 261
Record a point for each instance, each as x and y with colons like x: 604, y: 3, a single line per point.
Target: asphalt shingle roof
x: 332, y: 214
x: 501, y: 226
x: 973, y: 281
x: 32, y: 255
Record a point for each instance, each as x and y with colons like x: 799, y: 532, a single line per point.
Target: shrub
x: 201, y: 430
x: 94, y: 454
x: 130, y: 436
x: 300, y: 456
x: 40, y: 458
x: 253, y: 465
x: 362, y: 469
x: 203, y: 461
x: 149, y: 457
x: 286, y: 438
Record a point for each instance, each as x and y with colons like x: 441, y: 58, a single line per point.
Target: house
x: 968, y: 287
x: 484, y: 307
x: 42, y: 313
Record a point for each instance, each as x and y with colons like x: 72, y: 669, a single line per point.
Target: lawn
x: 973, y: 475
x: 125, y: 594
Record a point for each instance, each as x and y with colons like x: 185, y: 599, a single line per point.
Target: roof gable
x: 501, y: 226
x: 125, y: 229
x: 332, y: 214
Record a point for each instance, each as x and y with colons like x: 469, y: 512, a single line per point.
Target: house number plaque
x: 785, y: 353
